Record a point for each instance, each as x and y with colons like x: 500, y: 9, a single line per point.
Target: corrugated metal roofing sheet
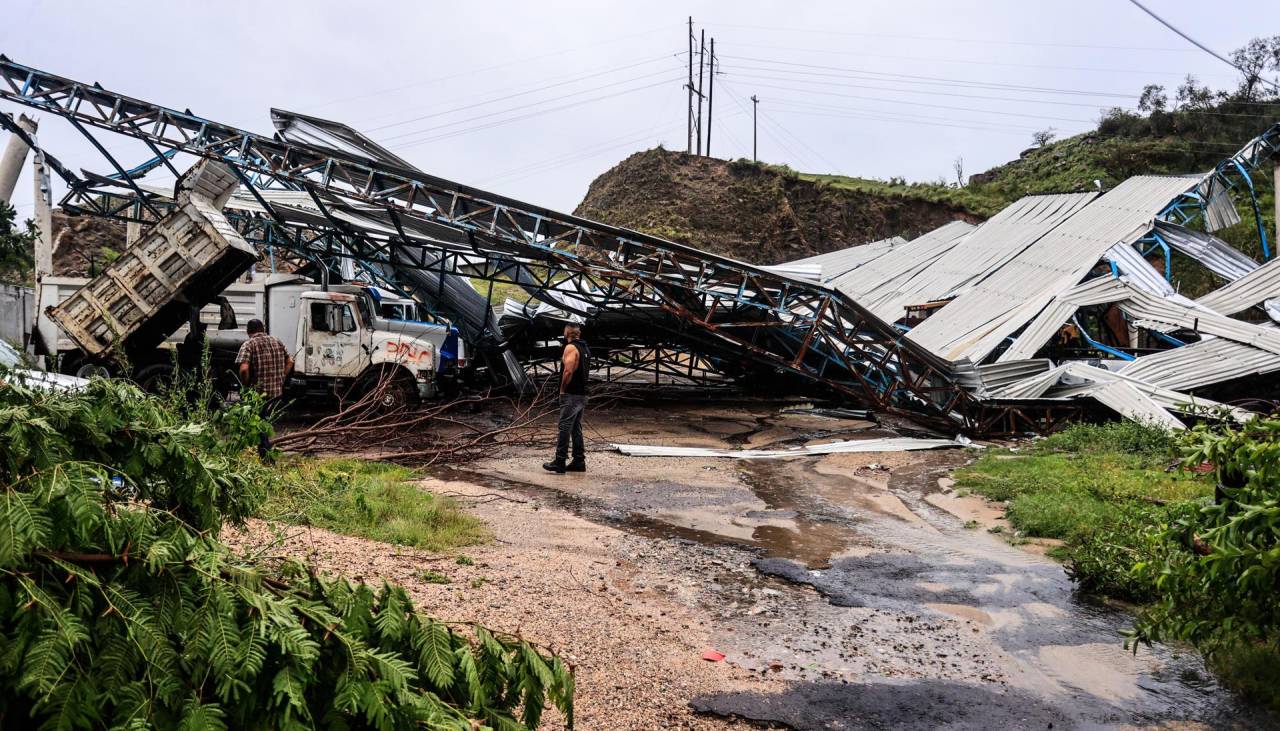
x: 1252, y: 289
x: 835, y: 263
x: 887, y: 444
x: 884, y: 274
x: 1126, y: 400
x: 1211, y: 251
x: 1078, y: 380
x: 976, y: 322
x: 988, y: 247
x: 1200, y: 364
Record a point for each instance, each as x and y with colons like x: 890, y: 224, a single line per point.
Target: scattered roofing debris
x: 1008, y: 326
x: 886, y: 444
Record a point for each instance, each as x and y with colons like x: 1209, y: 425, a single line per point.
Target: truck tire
x: 399, y: 393
x: 155, y: 377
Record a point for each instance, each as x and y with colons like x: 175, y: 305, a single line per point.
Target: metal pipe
x: 15, y: 155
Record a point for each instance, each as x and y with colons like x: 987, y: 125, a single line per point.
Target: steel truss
x: 754, y: 321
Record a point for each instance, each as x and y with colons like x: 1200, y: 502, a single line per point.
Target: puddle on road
x: 900, y: 589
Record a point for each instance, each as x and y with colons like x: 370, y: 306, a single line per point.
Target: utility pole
x: 15, y: 154
x: 711, y: 93
x: 689, y: 118
x: 702, y: 52
x: 755, y: 104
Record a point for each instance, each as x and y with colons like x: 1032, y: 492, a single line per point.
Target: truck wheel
x: 154, y: 378
x: 90, y: 370
x: 398, y: 394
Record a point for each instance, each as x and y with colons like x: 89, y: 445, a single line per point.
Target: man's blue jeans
x: 571, y: 408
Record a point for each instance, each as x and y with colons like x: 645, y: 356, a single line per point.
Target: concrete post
x: 15, y: 154
x: 44, y: 328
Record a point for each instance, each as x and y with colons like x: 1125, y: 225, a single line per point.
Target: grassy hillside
x: 758, y: 213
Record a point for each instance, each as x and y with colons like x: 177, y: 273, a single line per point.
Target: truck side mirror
x: 226, y: 315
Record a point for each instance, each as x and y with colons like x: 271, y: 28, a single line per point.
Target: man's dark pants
x: 571, y: 408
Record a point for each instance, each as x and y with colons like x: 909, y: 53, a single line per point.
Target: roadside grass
x: 1106, y: 491
x: 1103, y: 489
x: 373, y: 500
x: 1252, y: 670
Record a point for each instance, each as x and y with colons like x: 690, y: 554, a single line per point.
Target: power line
x: 1090, y: 69
x: 595, y: 150
x: 526, y: 92
x: 933, y: 80
x: 893, y: 116
x: 487, y: 115
x: 928, y: 92
x: 918, y: 104
x: 518, y: 118
x: 781, y: 143
x: 821, y: 158
x: 1020, y: 131
x: 1200, y: 45
x: 469, y: 72
x: 984, y: 41
x: 792, y: 82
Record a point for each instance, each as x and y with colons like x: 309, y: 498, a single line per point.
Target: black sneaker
x: 554, y: 466
x: 576, y: 466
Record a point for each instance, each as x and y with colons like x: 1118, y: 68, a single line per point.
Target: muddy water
x: 837, y: 573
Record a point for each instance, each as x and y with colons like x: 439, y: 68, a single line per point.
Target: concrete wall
x: 17, y: 304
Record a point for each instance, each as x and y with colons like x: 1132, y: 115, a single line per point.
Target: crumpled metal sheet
x: 887, y: 444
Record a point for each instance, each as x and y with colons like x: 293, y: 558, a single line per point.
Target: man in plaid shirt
x: 264, y: 363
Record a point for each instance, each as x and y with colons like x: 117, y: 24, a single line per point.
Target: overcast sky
x: 535, y: 99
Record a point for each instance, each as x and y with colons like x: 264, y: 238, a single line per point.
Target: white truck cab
x: 336, y: 345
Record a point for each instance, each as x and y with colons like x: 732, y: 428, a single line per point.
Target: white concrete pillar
x: 46, y: 329
x: 15, y: 154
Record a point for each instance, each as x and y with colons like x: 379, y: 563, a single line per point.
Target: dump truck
x: 130, y: 319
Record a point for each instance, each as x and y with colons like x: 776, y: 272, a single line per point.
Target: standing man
x: 575, y: 366
x: 264, y: 364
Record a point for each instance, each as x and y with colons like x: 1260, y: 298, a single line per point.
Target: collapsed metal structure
x: 321, y: 192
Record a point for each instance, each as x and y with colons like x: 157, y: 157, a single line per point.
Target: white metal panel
x: 978, y: 320
x: 1252, y: 289
x: 1214, y: 253
x: 1201, y: 364
x: 985, y: 249
x: 1128, y: 401
x: 885, y: 274
x: 835, y: 263
x: 1001, y: 239
x: 887, y: 444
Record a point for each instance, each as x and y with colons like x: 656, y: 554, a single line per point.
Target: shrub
x: 119, y: 607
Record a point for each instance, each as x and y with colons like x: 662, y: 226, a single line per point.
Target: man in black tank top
x: 575, y: 367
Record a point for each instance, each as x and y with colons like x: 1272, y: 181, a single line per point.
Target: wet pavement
x: 842, y: 575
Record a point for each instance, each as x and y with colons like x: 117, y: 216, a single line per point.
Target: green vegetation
x: 15, y: 247
x: 120, y: 608
x: 502, y: 291
x: 974, y: 200
x: 1204, y: 572
x: 1074, y: 484
x: 1217, y: 585
x: 372, y: 500
x: 434, y: 577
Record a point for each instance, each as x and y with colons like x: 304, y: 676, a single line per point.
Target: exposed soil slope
x: 83, y: 245
x: 751, y: 212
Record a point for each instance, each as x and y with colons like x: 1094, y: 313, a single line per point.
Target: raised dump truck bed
x: 184, y: 261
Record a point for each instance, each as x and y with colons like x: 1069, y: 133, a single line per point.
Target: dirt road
x: 845, y: 591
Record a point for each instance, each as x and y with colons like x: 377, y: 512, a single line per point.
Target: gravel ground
x: 561, y: 581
